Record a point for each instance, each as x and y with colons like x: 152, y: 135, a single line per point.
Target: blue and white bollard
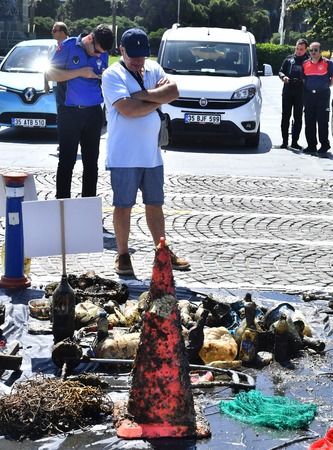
x: 14, y: 277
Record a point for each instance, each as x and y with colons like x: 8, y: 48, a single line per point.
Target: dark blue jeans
x: 316, y: 111
x: 78, y: 126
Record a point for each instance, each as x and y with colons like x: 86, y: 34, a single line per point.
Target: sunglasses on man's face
x: 55, y: 31
x: 314, y: 50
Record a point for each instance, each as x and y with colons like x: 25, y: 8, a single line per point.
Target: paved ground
x: 260, y: 219
x: 238, y: 232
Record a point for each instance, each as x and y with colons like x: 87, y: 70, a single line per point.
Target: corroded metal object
x: 90, y: 286
x: 66, y: 352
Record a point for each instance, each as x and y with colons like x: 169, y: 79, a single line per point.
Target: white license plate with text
x: 28, y: 123
x: 202, y: 118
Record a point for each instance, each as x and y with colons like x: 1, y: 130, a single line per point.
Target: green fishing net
x: 276, y: 412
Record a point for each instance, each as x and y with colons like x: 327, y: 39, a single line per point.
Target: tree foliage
x: 319, y: 15
x: 261, y: 17
x: 47, y: 8
x: 78, y: 9
x: 235, y: 13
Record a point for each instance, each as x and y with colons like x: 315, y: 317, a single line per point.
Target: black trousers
x: 78, y: 126
x: 317, y: 111
x: 292, y: 100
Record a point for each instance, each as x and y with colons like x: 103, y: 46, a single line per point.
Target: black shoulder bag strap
x: 139, y: 79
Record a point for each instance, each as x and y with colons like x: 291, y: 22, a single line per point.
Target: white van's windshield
x: 211, y: 58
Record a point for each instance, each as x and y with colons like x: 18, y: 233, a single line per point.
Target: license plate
x: 202, y: 118
x: 28, y: 123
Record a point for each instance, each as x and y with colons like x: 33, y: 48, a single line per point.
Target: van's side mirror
x: 266, y: 71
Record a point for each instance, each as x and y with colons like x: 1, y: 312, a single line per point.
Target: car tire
x: 252, y: 140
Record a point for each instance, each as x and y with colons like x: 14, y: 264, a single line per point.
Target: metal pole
x: 32, y: 17
x: 32, y: 7
x: 113, y: 6
x: 178, y: 12
x: 114, y: 24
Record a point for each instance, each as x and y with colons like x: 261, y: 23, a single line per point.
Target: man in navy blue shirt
x: 77, y: 66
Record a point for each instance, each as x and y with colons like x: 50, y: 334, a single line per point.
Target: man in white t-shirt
x: 133, y: 89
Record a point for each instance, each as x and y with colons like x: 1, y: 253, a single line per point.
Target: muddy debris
x: 44, y: 406
x: 94, y: 288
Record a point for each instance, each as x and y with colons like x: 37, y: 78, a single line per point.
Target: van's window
x: 228, y: 59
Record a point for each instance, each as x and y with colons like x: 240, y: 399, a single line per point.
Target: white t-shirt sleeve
x: 113, y: 86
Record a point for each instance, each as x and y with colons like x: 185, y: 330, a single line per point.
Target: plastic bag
x: 163, y: 136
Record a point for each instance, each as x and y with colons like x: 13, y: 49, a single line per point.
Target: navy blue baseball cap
x: 135, y: 42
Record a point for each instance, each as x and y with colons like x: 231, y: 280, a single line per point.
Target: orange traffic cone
x: 160, y: 399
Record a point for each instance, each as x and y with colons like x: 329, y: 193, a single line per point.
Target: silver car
x: 24, y: 102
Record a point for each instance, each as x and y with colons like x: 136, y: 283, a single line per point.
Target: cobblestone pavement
x: 237, y: 232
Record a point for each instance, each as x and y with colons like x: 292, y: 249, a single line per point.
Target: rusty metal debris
x: 46, y: 406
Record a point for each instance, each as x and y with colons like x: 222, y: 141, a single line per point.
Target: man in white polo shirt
x: 133, y: 89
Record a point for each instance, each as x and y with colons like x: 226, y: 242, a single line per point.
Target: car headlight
x: 3, y: 88
x: 244, y: 93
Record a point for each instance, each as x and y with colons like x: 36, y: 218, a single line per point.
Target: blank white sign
x: 42, y: 227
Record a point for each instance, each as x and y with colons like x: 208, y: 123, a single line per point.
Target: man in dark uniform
x: 77, y: 66
x: 318, y: 76
x: 292, y: 93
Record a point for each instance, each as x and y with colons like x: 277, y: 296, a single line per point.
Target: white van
x: 217, y: 77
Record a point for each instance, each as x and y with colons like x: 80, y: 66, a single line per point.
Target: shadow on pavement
x: 221, y: 145
x: 28, y: 136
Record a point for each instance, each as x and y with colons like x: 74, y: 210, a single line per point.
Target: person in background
x: 60, y: 32
x: 318, y: 76
x: 77, y: 66
x: 133, y: 89
x: 292, y: 93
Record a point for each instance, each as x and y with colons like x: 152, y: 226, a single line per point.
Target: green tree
x: 78, y: 9
x: 319, y: 15
x: 163, y: 14
x: 259, y: 24
x: 47, y: 8
x: 43, y: 27
x: 235, y: 13
x: 129, y: 8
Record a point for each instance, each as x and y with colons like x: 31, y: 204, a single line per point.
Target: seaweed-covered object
x: 45, y: 406
x: 90, y: 286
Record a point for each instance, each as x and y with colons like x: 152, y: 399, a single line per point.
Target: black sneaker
x: 284, y: 145
x: 310, y: 150
x: 323, y: 150
x: 123, y: 265
x: 179, y: 263
x: 296, y: 146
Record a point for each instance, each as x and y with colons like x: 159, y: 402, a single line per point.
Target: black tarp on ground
x: 304, y: 382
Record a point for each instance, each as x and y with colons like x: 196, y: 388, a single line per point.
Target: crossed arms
x: 142, y: 103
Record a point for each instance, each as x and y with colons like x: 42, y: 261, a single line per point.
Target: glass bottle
x: 63, y: 311
x: 281, y: 339
x: 102, y: 326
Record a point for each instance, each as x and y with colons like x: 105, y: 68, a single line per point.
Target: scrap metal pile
x: 219, y: 332
x: 46, y: 406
